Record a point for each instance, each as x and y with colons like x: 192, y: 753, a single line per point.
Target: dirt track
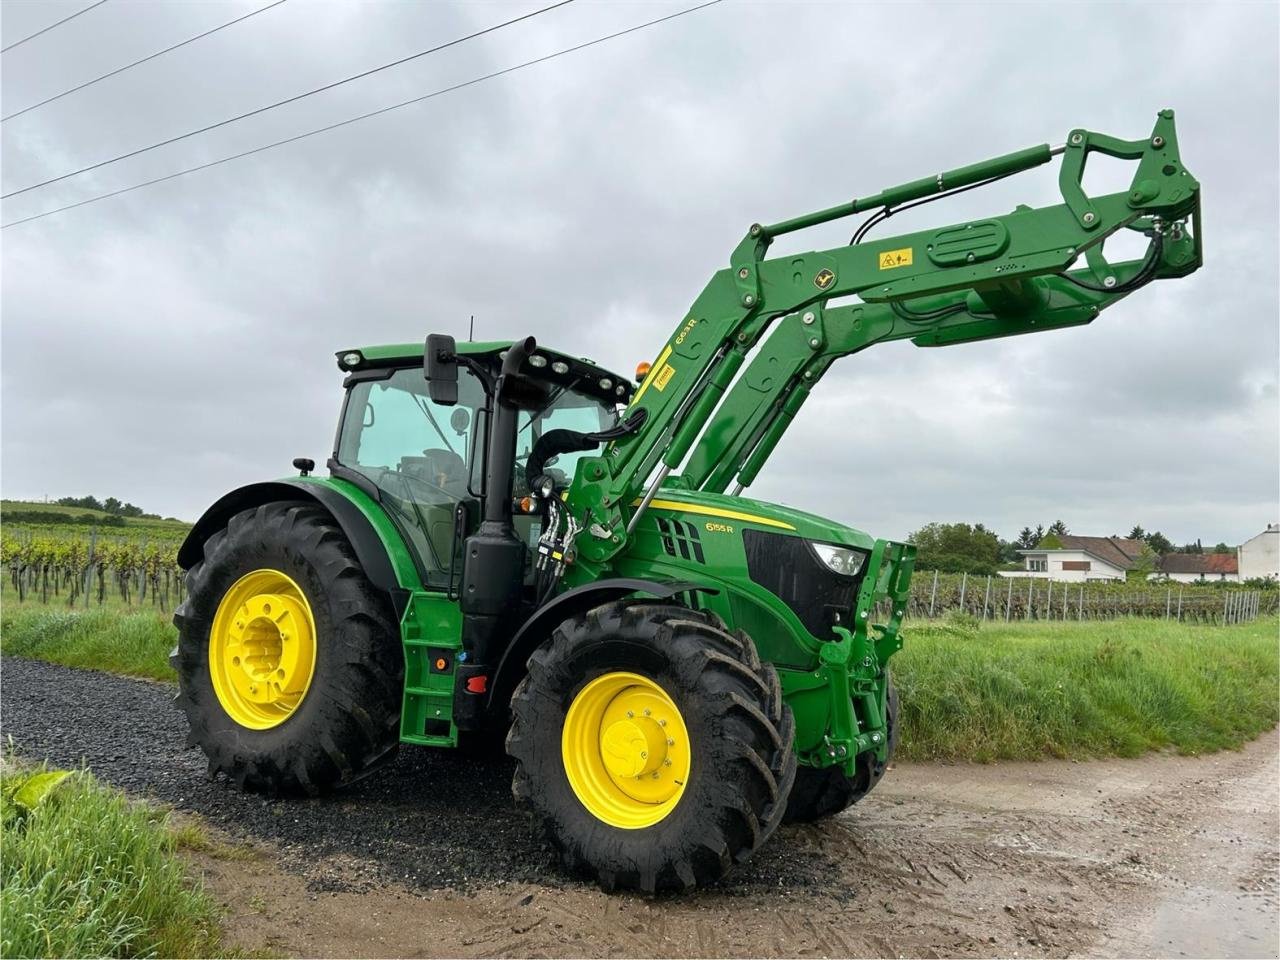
x: 1164, y: 856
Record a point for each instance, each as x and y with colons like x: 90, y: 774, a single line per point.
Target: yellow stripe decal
x: 653, y: 372
x: 716, y: 512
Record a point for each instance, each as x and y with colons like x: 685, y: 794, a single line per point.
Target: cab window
x: 421, y: 456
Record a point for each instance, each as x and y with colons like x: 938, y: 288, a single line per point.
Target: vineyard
x: 1007, y: 599
x: 69, y: 565
x: 53, y: 564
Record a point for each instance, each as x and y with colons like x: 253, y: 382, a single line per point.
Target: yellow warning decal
x: 664, y: 376
x: 895, y: 258
x: 654, y: 370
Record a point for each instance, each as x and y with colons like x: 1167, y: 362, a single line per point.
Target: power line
x: 366, y: 116
x: 130, y: 66
x: 18, y: 43
x: 287, y: 100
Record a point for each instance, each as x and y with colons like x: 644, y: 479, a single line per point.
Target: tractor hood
x: 716, y: 507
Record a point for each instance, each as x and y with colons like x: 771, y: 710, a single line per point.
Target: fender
x: 559, y: 609
x: 371, y: 545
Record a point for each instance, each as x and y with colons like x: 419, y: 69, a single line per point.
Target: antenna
x: 471, y: 330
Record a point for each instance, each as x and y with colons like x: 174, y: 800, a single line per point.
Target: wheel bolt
x: 662, y: 723
x: 647, y: 711
x: 670, y: 742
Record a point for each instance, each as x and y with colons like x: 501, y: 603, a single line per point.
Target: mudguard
x: 371, y: 547
x: 560, y: 608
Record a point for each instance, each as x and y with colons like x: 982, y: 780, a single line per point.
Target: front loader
x: 512, y: 540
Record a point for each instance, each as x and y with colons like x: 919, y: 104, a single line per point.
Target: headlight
x: 841, y: 560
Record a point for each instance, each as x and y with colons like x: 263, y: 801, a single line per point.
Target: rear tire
x: 346, y: 722
x: 739, y: 756
x: 821, y: 793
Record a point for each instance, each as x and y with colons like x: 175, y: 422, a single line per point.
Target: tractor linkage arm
x: 977, y: 280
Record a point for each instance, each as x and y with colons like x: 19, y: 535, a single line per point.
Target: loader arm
x: 975, y: 280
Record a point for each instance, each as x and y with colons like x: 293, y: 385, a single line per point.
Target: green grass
x: 87, y: 873
x: 136, y: 644
x: 999, y: 692
x: 1116, y: 688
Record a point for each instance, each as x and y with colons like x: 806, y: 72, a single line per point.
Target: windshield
x: 424, y: 458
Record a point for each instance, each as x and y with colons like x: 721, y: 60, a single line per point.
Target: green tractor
x: 512, y: 540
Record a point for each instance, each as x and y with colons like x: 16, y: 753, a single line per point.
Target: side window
x: 421, y: 456
x: 570, y: 412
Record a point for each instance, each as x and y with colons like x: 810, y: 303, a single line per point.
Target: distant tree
x: 957, y: 548
x: 1137, y: 533
x: 1144, y: 565
x: 84, y: 503
x: 1026, y: 538
x: 1058, y: 528
x: 1159, y: 543
x: 1050, y: 541
x: 1223, y: 548
x: 112, y: 506
x: 129, y: 510
x: 1039, y: 534
x: 1008, y: 551
x: 1191, y: 548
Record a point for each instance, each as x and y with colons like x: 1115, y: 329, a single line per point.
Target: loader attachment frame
x: 981, y: 279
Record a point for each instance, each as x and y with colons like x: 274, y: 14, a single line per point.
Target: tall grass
x: 992, y: 692
x: 1119, y: 688
x: 87, y: 873
x: 136, y: 644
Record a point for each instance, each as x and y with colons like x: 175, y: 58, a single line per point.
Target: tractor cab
x: 426, y: 459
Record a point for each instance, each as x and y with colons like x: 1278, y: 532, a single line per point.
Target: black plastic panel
x: 788, y: 568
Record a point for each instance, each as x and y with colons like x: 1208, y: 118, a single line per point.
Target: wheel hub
x: 262, y: 649
x: 632, y: 748
x: 626, y: 750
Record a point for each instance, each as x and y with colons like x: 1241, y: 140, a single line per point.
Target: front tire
x: 654, y: 746
x: 821, y: 793
x: 289, y: 664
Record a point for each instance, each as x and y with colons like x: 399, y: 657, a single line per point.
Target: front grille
x: 788, y: 568
x: 681, y: 540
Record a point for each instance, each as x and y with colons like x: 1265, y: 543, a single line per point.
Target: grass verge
x: 135, y: 644
x: 1114, y: 688
x: 999, y: 691
x: 87, y: 873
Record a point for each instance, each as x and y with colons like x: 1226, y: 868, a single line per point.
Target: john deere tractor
x: 512, y: 540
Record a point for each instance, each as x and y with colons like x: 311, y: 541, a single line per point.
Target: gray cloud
x: 169, y: 344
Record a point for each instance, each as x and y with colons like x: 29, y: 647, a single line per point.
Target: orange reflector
x: 642, y: 369
x: 526, y: 504
x: 477, y: 684
x: 441, y: 663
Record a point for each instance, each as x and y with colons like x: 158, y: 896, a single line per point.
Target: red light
x: 478, y: 684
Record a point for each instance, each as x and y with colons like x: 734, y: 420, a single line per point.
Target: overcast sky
x: 167, y: 345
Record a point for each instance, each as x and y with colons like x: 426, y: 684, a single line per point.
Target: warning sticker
x: 895, y: 258
x: 663, y: 377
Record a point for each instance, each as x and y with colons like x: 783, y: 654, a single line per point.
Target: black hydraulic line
x: 884, y: 213
x: 1144, y: 275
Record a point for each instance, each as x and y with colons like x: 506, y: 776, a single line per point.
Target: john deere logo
x: 824, y: 279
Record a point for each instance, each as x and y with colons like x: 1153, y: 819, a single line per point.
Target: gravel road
x: 1163, y: 856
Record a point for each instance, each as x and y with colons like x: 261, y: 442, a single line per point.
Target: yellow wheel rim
x: 626, y: 750
x: 262, y: 649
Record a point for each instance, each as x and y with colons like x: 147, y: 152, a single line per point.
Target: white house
x: 1197, y: 567
x: 1079, y: 559
x: 1260, y: 555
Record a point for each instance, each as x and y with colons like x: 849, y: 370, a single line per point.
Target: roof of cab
x: 395, y: 354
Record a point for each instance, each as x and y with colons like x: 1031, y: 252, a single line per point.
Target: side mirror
x: 440, y: 367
